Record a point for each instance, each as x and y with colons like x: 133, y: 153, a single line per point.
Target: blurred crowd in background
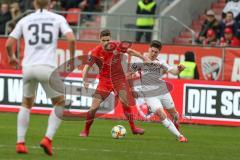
x: 12, y: 9
x: 215, y: 31
x: 224, y: 31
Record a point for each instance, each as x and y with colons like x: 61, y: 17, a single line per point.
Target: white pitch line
x: 101, y: 150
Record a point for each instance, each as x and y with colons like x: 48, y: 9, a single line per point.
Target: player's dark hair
x: 156, y: 44
x: 105, y: 32
x: 189, y: 56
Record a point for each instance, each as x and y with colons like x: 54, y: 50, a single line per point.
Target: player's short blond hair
x: 42, y: 3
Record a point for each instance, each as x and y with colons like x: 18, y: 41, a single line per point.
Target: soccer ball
x: 118, y: 132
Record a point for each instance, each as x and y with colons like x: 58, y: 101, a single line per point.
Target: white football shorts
x: 161, y: 101
x: 34, y: 75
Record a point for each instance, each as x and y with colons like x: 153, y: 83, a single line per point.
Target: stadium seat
x: 186, y: 34
x: 196, y: 27
x: 197, y: 22
x: 218, y: 5
x: 89, y: 34
x: 222, y: 1
x: 218, y: 11
x: 179, y: 40
x: 74, y: 16
x: 202, y: 17
x: 88, y: 37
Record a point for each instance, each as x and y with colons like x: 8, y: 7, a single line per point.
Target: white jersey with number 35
x: 40, y: 31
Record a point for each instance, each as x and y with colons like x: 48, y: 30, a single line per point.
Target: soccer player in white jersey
x: 155, y: 91
x: 40, y: 31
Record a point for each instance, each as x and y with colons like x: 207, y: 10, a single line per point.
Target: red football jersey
x: 109, y: 63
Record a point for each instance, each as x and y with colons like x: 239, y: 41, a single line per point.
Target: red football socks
x: 89, y: 121
x: 128, y: 113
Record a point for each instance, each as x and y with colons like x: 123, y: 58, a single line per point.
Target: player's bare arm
x: 85, y: 74
x: 177, y: 70
x: 71, y: 43
x: 135, y: 53
x: 12, y: 57
x: 71, y: 46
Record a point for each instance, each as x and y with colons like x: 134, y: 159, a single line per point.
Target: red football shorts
x: 106, y: 86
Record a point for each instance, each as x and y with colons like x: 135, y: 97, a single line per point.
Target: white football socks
x: 54, y: 121
x: 22, y: 123
x: 170, y: 126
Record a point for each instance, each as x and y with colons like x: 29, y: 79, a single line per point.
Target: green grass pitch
x: 205, y: 142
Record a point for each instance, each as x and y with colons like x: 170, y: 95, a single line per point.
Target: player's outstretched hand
x: 181, y: 67
x: 13, y: 61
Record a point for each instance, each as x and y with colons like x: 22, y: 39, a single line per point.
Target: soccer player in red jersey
x: 111, y: 78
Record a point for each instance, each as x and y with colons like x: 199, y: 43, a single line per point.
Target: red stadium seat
x: 186, y: 34
x: 197, y: 22
x: 222, y: 1
x: 178, y: 40
x: 218, y: 11
x: 218, y: 5
x: 73, y: 17
x: 89, y: 34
